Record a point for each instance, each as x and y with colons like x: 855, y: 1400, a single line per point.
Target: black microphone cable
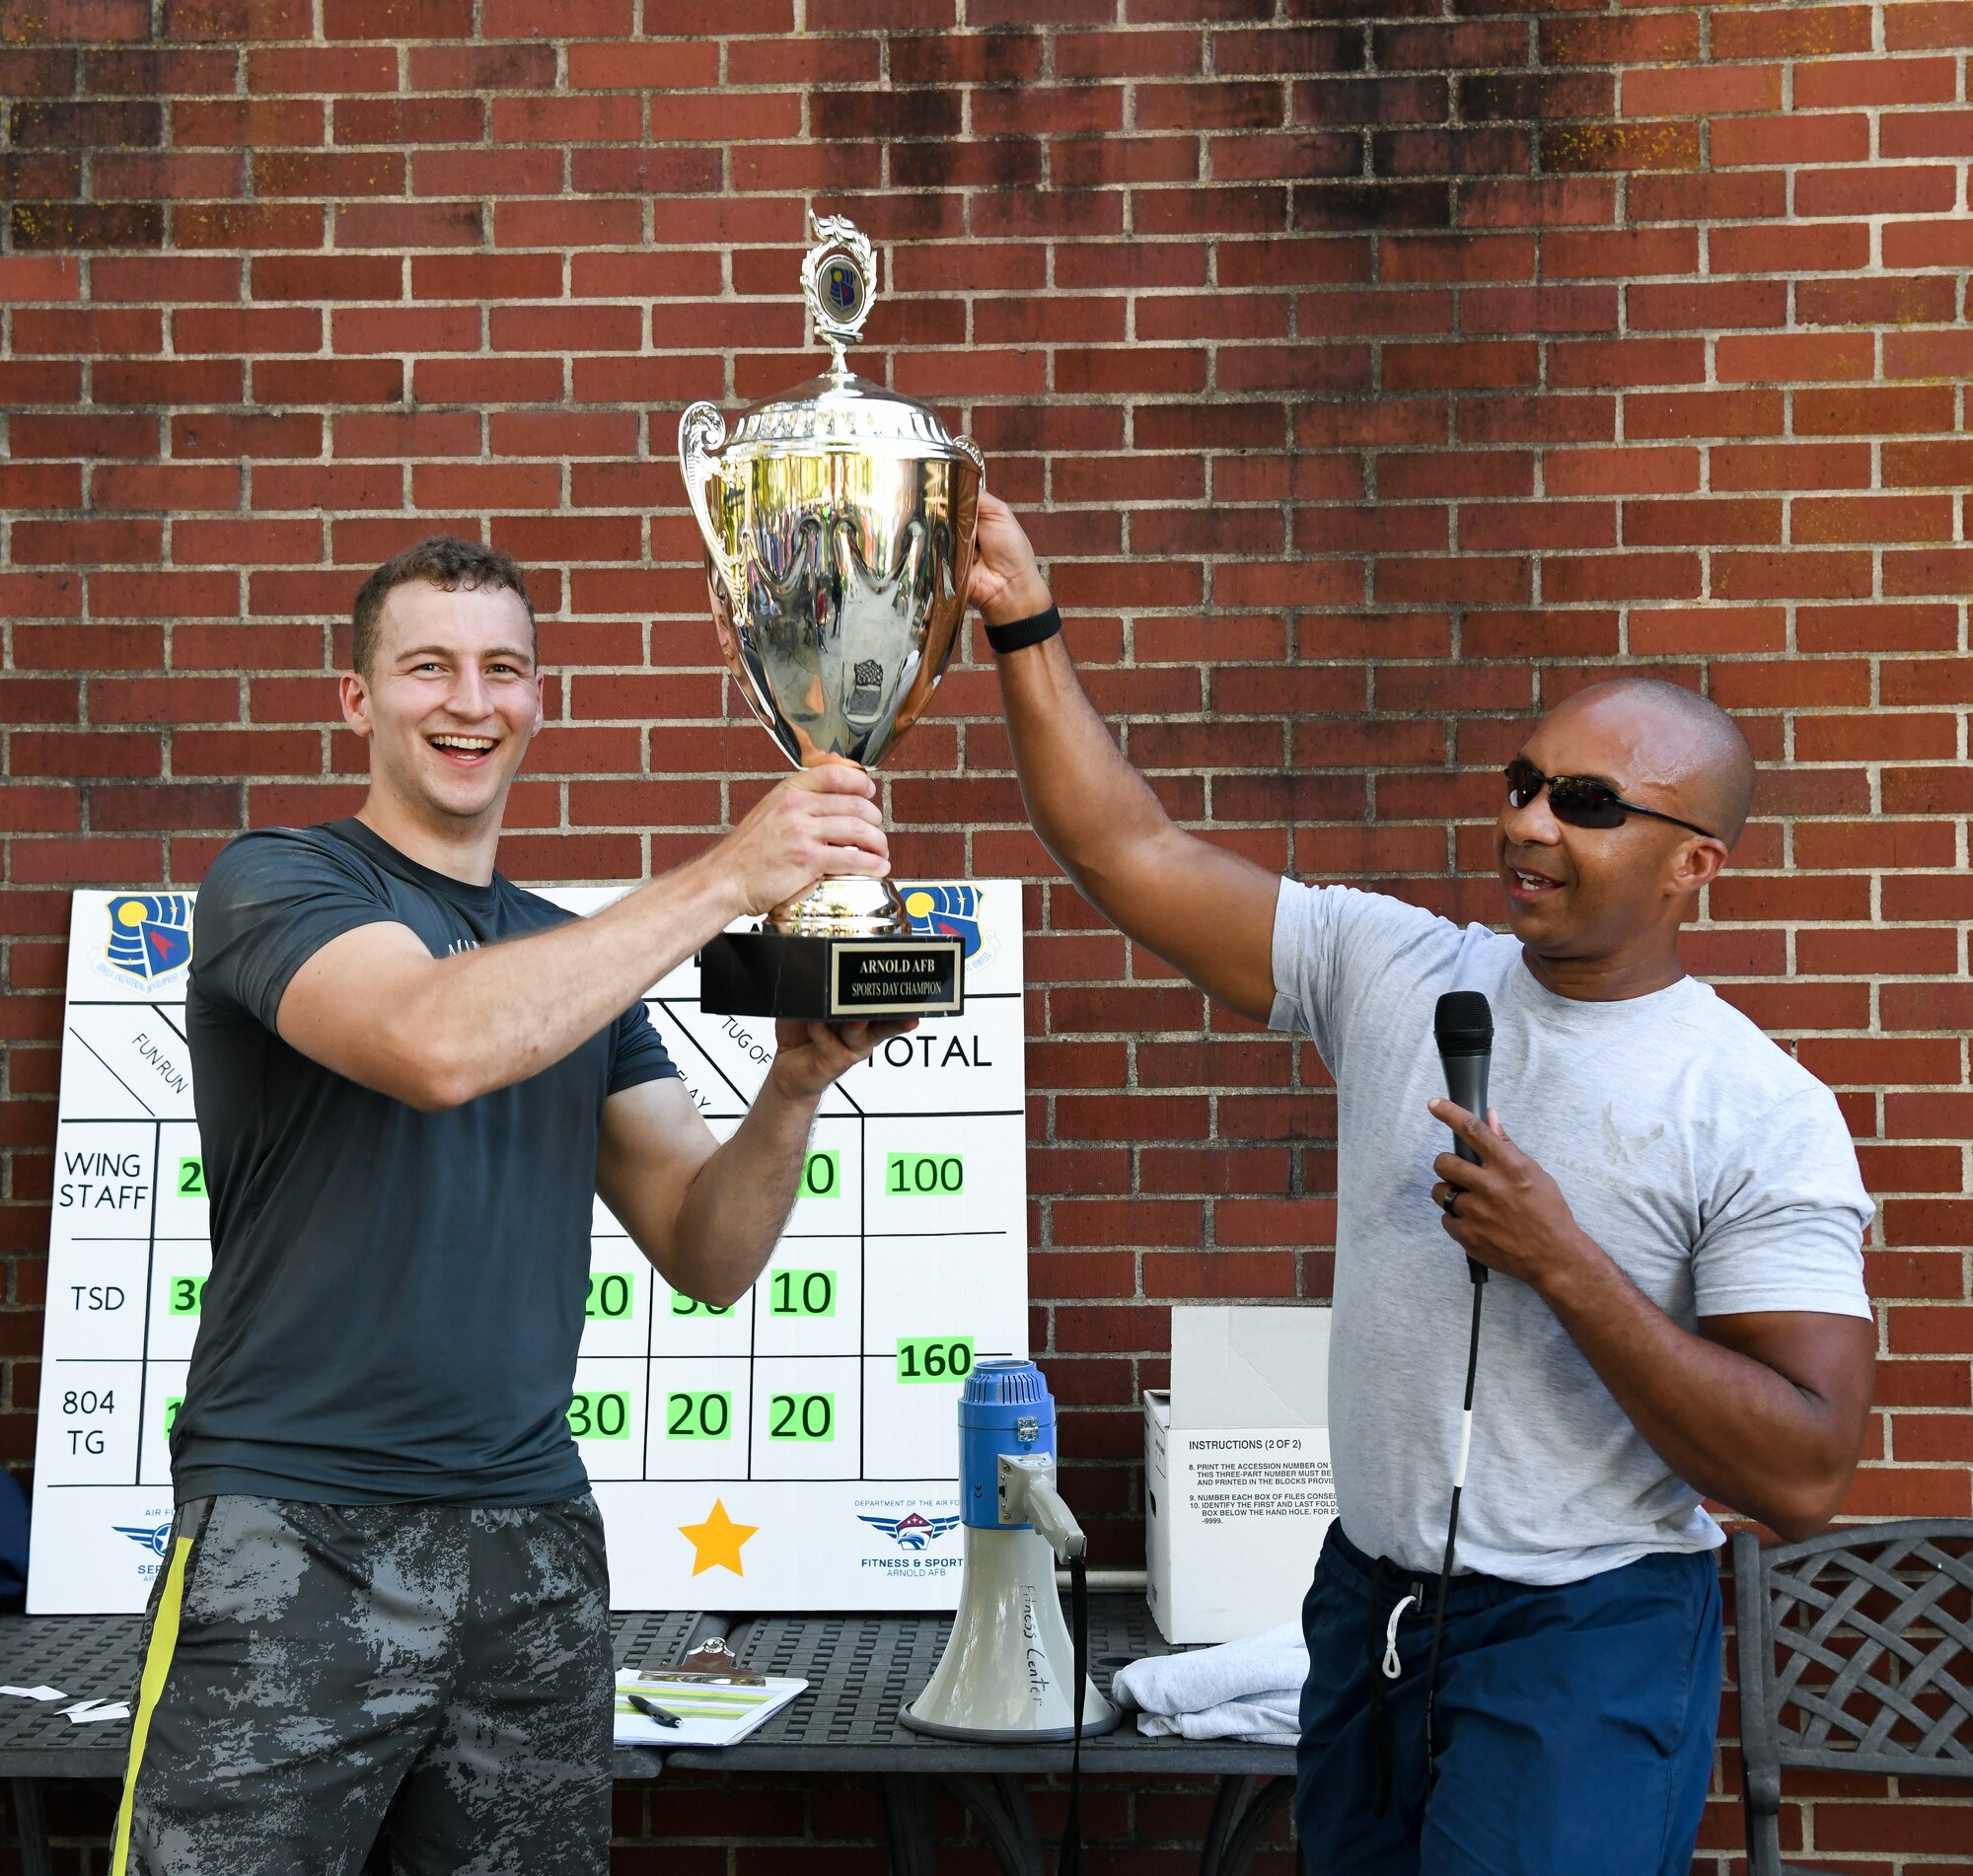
x: 1463, y: 1027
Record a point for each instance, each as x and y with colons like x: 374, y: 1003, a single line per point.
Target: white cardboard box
x: 1238, y: 1491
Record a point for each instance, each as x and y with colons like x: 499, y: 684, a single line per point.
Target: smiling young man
x: 1675, y: 1228
x: 384, y: 1611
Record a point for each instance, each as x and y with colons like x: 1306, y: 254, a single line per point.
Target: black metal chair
x: 1855, y: 1652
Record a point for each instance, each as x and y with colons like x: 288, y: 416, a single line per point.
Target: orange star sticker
x: 716, y: 1543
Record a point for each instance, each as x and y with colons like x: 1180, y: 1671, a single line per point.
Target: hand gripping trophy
x: 838, y: 539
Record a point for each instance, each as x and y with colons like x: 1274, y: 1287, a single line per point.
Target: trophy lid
x: 840, y: 410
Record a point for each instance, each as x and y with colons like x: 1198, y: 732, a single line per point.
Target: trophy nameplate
x: 769, y: 972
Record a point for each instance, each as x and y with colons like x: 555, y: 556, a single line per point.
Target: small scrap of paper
x: 34, y: 1693
x: 84, y: 1712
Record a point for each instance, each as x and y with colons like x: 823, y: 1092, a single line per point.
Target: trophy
x: 839, y: 539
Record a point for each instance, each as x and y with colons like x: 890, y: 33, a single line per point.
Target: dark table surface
x: 96, y: 1657
x: 862, y: 1670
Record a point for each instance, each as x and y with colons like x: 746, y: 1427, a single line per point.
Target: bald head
x: 1690, y: 746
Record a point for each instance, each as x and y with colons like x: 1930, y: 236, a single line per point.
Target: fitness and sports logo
x: 150, y: 938
x: 913, y: 1531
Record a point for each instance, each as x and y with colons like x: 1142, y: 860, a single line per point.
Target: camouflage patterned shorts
x: 430, y: 1680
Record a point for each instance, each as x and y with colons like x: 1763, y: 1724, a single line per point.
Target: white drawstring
x: 1392, y: 1666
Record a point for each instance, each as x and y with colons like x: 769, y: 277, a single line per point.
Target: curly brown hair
x: 442, y: 560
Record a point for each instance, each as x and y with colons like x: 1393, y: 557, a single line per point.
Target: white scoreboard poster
x: 796, y: 1451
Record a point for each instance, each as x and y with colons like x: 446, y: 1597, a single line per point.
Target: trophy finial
x: 839, y: 282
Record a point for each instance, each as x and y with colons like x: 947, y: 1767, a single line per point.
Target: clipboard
x: 711, y: 1710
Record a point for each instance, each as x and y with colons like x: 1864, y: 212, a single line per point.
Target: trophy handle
x: 701, y: 430
x: 971, y: 451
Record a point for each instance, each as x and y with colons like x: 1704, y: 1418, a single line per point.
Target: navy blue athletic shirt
x: 395, y: 1297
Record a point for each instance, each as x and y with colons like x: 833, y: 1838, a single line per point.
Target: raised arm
x: 374, y: 1005
x: 1207, y: 912
x: 706, y: 1215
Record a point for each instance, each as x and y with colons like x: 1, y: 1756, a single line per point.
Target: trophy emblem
x: 838, y: 521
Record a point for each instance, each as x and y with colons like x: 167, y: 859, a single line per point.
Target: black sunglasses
x: 1580, y: 801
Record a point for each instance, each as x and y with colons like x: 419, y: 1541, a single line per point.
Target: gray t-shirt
x: 1710, y: 1165
x: 396, y: 1297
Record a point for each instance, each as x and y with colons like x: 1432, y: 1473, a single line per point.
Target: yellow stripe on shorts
x: 157, y: 1665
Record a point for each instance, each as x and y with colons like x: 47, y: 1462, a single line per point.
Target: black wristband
x: 1018, y: 633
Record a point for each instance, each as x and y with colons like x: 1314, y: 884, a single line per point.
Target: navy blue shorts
x: 1574, y: 1724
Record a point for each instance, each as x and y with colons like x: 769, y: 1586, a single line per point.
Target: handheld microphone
x: 1463, y: 1027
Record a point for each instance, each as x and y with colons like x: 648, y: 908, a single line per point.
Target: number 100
x: 924, y: 1174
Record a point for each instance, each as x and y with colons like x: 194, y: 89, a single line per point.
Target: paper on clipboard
x: 710, y: 1713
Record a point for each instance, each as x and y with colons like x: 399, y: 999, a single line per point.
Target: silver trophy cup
x: 838, y: 539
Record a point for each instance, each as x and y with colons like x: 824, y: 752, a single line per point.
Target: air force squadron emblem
x: 842, y: 287
x: 150, y: 936
x: 945, y: 912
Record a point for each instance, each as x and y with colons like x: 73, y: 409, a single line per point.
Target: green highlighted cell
x: 698, y: 1417
x: 801, y: 1416
x: 612, y: 1297
x: 934, y: 1357
x: 801, y: 1293
x: 924, y: 1175
x: 601, y: 1415
x: 822, y: 1174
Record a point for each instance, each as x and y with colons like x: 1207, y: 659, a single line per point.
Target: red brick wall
x: 1370, y: 378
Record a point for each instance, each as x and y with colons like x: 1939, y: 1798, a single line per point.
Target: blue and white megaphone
x: 1007, y: 1671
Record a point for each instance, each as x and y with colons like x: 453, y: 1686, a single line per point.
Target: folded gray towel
x: 1250, y: 1689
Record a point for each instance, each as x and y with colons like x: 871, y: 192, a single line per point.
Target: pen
x: 652, y: 1710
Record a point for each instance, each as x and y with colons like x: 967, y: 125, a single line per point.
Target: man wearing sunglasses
x: 1672, y: 1212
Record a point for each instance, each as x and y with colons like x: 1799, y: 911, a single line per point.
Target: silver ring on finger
x: 1449, y: 1203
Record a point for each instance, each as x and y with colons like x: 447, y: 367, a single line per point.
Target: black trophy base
x: 831, y: 980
